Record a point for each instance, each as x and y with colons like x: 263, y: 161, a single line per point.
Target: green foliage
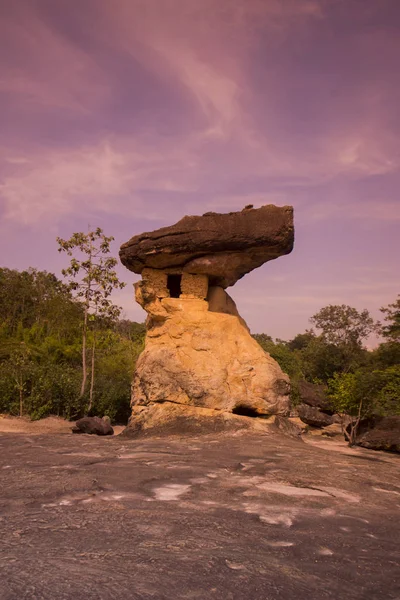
x: 365, y: 393
x: 32, y: 298
x: 91, y: 278
x: 9, y: 402
x: 302, y: 340
x: 383, y: 388
x: 359, y: 381
x: 386, y: 355
x: 391, y: 331
x: 351, y: 394
x: 343, y: 391
x: 280, y: 352
x: 54, y: 391
x: 287, y: 360
x: 321, y: 360
x: 41, y: 345
x: 339, y: 348
x: 41, y: 324
x: 113, y: 383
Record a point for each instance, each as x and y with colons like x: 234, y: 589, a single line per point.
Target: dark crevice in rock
x: 174, y: 285
x: 170, y: 402
x: 245, y: 411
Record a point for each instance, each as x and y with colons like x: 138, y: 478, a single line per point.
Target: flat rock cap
x: 223, y: 246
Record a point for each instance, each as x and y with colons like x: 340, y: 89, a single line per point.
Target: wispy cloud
x: 160, y: 108
x: 233, y: 67
x: 55, y: 184
x: 46, y: 69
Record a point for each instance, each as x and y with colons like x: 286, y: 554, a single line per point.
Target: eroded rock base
x: 168, y: 418
x: 198, y: 360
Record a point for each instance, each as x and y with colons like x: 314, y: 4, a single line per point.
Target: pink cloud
x: 46, y: 69
x: 136, y: 112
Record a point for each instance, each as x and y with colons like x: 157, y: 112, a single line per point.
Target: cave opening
x: 245, y: 411
x: 174, y: 285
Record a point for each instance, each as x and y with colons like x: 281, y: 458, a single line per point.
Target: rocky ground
x: 225, y: 516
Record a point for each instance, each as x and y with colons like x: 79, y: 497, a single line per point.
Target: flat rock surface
x: 244, y: 516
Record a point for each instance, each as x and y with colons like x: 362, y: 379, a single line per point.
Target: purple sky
x: 129, y: 114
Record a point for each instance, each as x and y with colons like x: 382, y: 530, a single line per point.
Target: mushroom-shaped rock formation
x: 200, y: 360
x: 222, y: 246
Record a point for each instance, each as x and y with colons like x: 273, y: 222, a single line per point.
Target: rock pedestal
x: 200, y: 360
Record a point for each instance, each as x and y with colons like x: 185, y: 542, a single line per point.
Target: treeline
x: 41, y: 328
x: 358, y: 382
x: 43, y: 322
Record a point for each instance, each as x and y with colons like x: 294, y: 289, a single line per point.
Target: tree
x: 391, y: 331
x: 353, y: 394
x: 265, y: 340
x: 301, y: 340
x: 345, y: 328
x: 20, y: 366
x: 28, y: 296
x: 321, y: 360
x: 363, y: 394
x: 344, y: 324
x: 386, y: 355
x: 346, y: 399
x: 280, y: 352
x: 287, y: 360
x: 41, y: 350
x: 92, y: 278
x: 381, y: 389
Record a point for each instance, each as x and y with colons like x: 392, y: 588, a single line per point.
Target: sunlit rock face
x: 200, y: 360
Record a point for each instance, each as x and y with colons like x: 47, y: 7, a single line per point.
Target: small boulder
x: 315, y: 395
x: 380, y: 433
x: 291, y: 427
x: 333, y: 430
x: 93, y: 426
x: 313, y: 416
